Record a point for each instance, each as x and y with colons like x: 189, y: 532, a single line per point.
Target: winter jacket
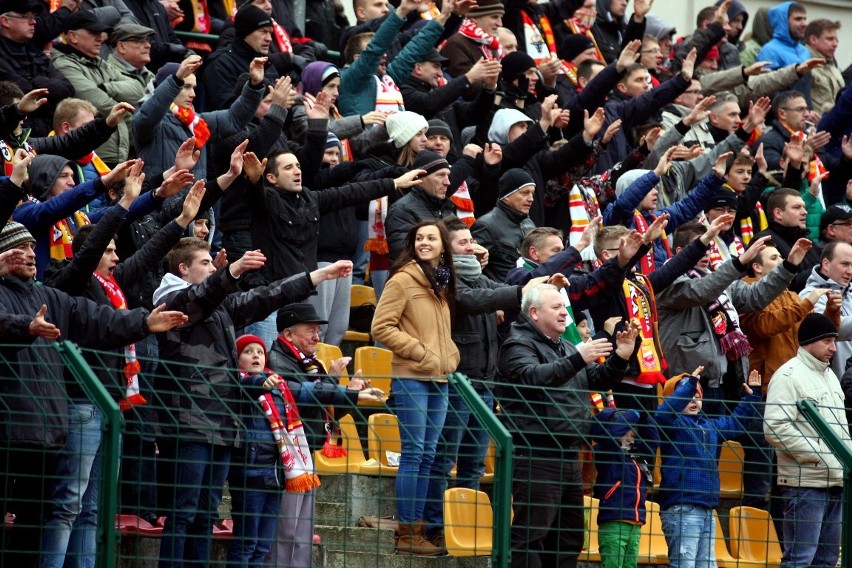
x: 414, y: 323
x: 103, y: 85
x: 761, y: 33
x: 686, y: 332
x: 223, y: 69
x: 410, y: 209
x: 462, y: 53
x: 475, y: 325
x: 72, y: 145
x: 826, y: 82
x: 750, y: 88
x: 803, y: 457
x: 165, y: 45
x: 34, y: 410
x: 196, y: 391
x: 544, y: 388
x: 158, y: 134
x: 782, y: 50
x: 689, y: 446
x: 143, y: 76
x: 311, y: 396
x: 844, y: 341
x: 501, y: 231
x: 784, y: 239
x: 611, y: 34
x: 285, y: 224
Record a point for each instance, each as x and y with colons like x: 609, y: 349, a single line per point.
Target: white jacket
x: 804, y: 459
x: 844, y: 339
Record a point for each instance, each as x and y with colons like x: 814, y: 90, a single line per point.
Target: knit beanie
x: 331, y: 141
x: 513, y: 180
x: 671, y: 384
x: 13, y: 235
x: 487, y: 8
x: 244, y: 340
x: 573, y: 45
x: 515, y: 64
x: 403, y: 126
x: 814, y: 327
x: 429, y: 161
x: 164, y: 72
x: 249, y: 19
x: 439, y: 127
x: 722, y: 198
x: 316, y: 75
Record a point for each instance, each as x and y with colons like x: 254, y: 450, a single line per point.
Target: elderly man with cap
x: 223, y: 67
x: 131, y: 52
x: 43, y: 432
x: 294, y: 355
x: 95, y: 80
x: 810, y: 474
x: 476, y: 40
x: 835, y: 225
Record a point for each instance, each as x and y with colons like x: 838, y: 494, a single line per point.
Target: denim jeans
x: 73, y: 522
x: 200, y: 470
x: 266, y: 329
x: 463, y: 443
x: 690, y: 531
x: 332, y: 304
x: 254, y: 508
x: 812, y: 525
x: 421, y: 407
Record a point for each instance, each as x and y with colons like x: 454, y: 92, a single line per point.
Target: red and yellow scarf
x: 538, y: 38
x: 647, y: 264
x: 642, y: 308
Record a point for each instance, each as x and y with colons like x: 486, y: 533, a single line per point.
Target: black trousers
x: 548, y: 502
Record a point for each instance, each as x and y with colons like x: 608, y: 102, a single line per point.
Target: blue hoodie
x: 782, y: 50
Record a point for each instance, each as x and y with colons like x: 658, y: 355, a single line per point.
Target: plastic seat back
x: 753, y: 536
x: 731, y: 470
x: 375, y: 365
x: 468, y: 522
x: 382, y: 437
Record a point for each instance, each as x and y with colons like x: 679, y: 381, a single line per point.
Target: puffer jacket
x: 34, y: 410
x: 414, y: 323
x: 804, y: 459
x: 198, y: 385
x: 689, y: 445
x: 544, y: 388
x: 501, y: 231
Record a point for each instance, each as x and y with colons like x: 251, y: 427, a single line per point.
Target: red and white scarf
x: 388, y: 96
x: 583, y: 206
x: 647, y: 264
x: 464, y: 204
x: 282, y: 38
x: 376, y: 240
x: 193, y: 121
x: 132, y: 395
x: 491, y: 48
x: 720, y: 251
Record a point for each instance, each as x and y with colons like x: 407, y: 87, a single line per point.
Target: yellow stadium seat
x: 652, y: 543
x: 468, y: 522
x: 723, y: 557
x: 327, y: 354
x: 731, y: 470
x: 382, y: 437
x: 753, y: 537
x: 358, y: 296
x: 592, y: 552
x: 375, y: 366
x: 354, y: 458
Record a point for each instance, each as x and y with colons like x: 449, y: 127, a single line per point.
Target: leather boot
x: 409, y: 540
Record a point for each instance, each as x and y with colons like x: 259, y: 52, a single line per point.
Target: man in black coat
x: 613, y: 31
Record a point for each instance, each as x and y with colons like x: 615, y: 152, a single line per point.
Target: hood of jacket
x: 605, y: 16
x: 658, y: 27
x: 627, y: 178
x: 778, y: 19
x: 761, y: 28
x: 817, y: 280
x: 413, y: 269
x: 312, y: 76
x: 44, y: 170
x: 503, y: 120
x: 169, y: 284
x: 735, y: 9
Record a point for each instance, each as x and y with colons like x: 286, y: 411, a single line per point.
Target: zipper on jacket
x: 638, y: 492
x: 612, y: 490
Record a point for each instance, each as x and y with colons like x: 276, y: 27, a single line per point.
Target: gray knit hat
x: 13, y: 235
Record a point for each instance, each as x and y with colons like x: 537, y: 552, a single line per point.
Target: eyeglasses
x: 842, y: 224
x: 797, y: 109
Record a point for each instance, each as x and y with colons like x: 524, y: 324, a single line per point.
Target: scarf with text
x: 376, y: 239
x: 193, y: 121
x: 388, y: 96
x: 725, y: 320
x: 647, y: 264
x: 538, y: 38
x: 132, y: 394
x: 464, y: 204
x: 491, y: 48
x: 642, y: 308
x: 62, y: 233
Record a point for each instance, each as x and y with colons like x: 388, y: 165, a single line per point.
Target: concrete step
x: 356, y: 539
x: 361, y: 495
x: 333, y: 514
x: 340, y: 559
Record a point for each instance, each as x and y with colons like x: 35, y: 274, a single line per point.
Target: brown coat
x: 415, y: 324
x: 463, y: 53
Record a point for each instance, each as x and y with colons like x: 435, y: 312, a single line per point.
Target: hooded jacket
x: 612, y: 34
x: 804, y: 459
x: 782, y: 50
x: 415, y: 324
x: 815, y: 280
x: 761, y: 33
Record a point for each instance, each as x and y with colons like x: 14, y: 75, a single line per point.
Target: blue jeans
x: 464, y: 443
x: 812, y: 526
x: 200, y: 470
x: 254, y: 508
x: 73, y: 522
x: 690, y: 532
x: 421, y: 407
x: 266, y: 329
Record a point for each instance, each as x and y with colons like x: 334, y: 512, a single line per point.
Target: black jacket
x: 223, y: 69
x: 501, y: 232
x: 71, y: 145
x: 165, y: 45
x: 198, y: 387
x: 544, y: 388
x: 410, y: 209
x: 611, y: 34
x: 311, y: 393
x: 784, y: 239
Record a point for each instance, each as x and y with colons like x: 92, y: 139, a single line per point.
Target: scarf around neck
x: 194, y: 122
x: 491, y: 47
x: 726, y: 324
x: 467, y: 266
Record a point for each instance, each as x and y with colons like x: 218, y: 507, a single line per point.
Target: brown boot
x: 409, y: 540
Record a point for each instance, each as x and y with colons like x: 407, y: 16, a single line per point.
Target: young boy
x: 689, y: 443
x: 624, y: 463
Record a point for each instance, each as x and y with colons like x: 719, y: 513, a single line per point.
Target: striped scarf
x: 388, y: 96
x: 647, y: 264
x: 132, y: 394
x: 376, y: 240
x: 583, y: 206
x: 194, y: 122
x: 642, y: 308
x: 62, y: 233
x: 490, y: 45
x: 725, y: 320
x: 464, y: 204
x: 747, y: 231
x: 538, y: 38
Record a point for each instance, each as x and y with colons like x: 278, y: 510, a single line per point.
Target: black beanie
x: 438, y: 126
x: 515, y: 64
x: 249, y: 19
x: 814, y: 327
x: 512, y: 181
x: 722, y: 198
x: 573, y: 45
x: 429, y: 161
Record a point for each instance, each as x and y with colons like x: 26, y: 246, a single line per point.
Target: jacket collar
x: 528, y: 328
x: 514, y: 215
x: 810, y: 361
x: 419, y: 84
x: 789, y: 234
x: 420, y: 193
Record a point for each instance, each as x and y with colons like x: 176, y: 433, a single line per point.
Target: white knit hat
x: 403, y: 126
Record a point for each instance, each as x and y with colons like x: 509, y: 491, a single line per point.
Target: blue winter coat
x: 782, y: 50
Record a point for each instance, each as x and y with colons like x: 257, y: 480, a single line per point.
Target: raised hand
x: 174, y: 183
x: 256, y: 70
x: 757, y: 68
x: 374, y: 117
x: 32, y: 101
x: 251, y: 260
x: 472, y: 150
x: 549, y: 70
x: 629, y: 55
x: 220, y: 261
x: 21, y: 161
x: 757, y: 112
x: 321, y: 108
x: 755, y: 248
x: 160, y: 320
x: 235, y: 167
x: 493, y: 153
x: 655, y: 229
x: 754, y: 381
x: 721, y: 161
x: 191, y: 204
x: 818, y: 140
x: 282, y: 91
x: 795, y: 151
x: 809, y: 65
x: 447, y: 8
x: 132, y: 184
x: 722, y: 13
x: 187, y: 156
x: 625, y: 341
x: 650, y: 139
x: 409, y: 179
x: 13, y: 258
x: 593, y: 124
x: 665, y: 162
x: 641, y: 9
x: 40, y: 327
x: 760, y: 160
x: 798, y: 251
x: 592, y: 350
x: 117, y: 113
x: 700, y: 111
x: 252, y: 167
x: 688, y: 67
x: 547, y: 106
x: 118, y: 173
x: 589, y: 232
x: 630, y: 245
x: 188, y: 66
x: 611, y: 131
x: 717, y: 226
x: 339, y: 269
